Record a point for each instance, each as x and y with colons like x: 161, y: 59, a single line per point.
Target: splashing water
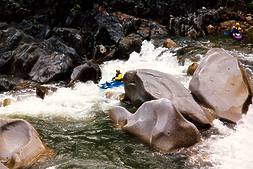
x: 86, y: 98
x: 233, y: 148
x: 230, y: 149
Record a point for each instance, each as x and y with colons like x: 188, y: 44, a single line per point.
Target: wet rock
x: 33, y: 28
x: 24, y: 57
x: 51, y: 68
x: 197, y: 24
x: 129, y: 23
x: 159, y: 124
x: 72, y: 38
x: 168, y: 43
x: 41, y: 91
x: 210, y: 29
x: 101, y: 28
x: 219, y: 84
x: 7, y: 102
x: 144, y: 84
x: 10, y: 39
x: 85, y: 72
x: 20, y: 145
x: 53, y: 44
x: 5, y: 85
x: 248, y: 18
x: 111, y: 25
x: 127, y: 45
x: 191, y: 69
x: 119, y: 116
x: 153, y: 31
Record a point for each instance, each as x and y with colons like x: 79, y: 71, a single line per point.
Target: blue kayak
x: 111, y: 84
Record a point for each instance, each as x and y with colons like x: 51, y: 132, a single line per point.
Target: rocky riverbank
x: 45, y: 41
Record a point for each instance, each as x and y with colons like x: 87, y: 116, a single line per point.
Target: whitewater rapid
x: 230, y: 149
x: 84, y: 99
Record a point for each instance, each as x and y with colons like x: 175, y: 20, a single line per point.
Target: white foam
x: 233, y: 149
x: 86, y: 98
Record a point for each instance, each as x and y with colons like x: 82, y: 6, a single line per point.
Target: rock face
x: 144, y: 84
x: 50, y: 67
x: 20, y: 144
x: 219, y: 84
x: 85, y: 72
x: 159, y: 124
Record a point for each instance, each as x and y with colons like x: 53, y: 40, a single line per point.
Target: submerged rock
x: 218, y: 83
x: 159, y: 124
x: 144, y: 85
x: 20, y: 145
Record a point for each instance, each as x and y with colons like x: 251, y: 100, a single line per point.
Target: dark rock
x: 24, y: 57
x: 41, y: 91
x: 130, y: 24
x: 159, y: 124
x: 127, y: 45
x: 10, y: 39
x: 111, y: 26
x: 51, y: 68
x: 144, y: 84
x: 72, y: 38
x: 55, y: 45
x: 219, y: 84
x: 5, y: 85
x: 34, y: 29
x: 196, y: 24
x: 88, y: 71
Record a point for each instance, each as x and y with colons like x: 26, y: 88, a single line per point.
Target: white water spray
x: 85, y: 98
x: 233, y: 148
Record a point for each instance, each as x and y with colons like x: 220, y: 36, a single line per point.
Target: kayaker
x: 118, y: 76
x: 236, y: 29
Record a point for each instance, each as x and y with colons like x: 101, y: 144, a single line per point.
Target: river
x: 73, y: 123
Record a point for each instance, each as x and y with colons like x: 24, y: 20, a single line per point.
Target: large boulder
x: 53, y: 44
x: 24, y: 57
x: 159, y: 124
x: 51, y: 67
x: 144, y: 84
x: 218, y: 83
x: 85, y: 72
x: 20, y: 145
x: 10, y: 39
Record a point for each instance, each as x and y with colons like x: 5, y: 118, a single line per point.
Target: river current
x: 73, y: 123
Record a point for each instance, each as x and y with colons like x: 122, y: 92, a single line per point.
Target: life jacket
x: 119, y: 77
